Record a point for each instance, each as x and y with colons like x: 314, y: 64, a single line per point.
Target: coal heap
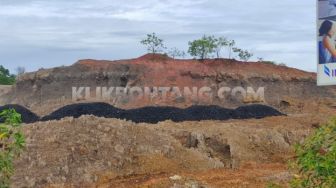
x: 149, y: 114
x: 157, y: 114
x: 77, y: 110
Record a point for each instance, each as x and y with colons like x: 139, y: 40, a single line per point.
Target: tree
x: 243, y: 54
x: 221, y: 42
x: 5, y: 77
x: 174, y: 52
x: 203, y: 47
x: 11, y: 144
x: 230, y: 45
x: 153, y: 43
x: 20, y: 70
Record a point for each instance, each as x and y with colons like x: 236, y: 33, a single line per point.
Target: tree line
x: 6, y: 78
x: 203, y: 48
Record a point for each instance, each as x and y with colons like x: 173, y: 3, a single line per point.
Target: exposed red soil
x: 208, y: 67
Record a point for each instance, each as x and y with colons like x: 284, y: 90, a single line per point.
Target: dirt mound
x: 158, y: 114
x: 82, y: 151
x: 46, y: 90
x: 102, y: 151
x: 26, y: 115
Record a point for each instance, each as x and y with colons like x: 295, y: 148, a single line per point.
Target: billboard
x: 326, y: 42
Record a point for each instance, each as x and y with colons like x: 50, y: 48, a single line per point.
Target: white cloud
x: 283, y: 31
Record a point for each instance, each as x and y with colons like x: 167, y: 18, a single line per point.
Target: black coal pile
x: 198, y: 113
x: 254, y: 111
x: 77, y: 110
x: 158, y: 114
x: 26, y: 115
x: 153, y: 114
x: 149, y: 114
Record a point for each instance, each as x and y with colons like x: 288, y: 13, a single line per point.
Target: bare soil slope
x: 46, y: 90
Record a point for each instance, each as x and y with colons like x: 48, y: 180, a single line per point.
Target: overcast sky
x: 50, y: 33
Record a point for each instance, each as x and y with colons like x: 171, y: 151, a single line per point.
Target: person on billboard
x: 327, y: 46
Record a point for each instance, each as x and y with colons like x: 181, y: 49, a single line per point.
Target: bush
x: 11, y: 144
x: 315, y: 165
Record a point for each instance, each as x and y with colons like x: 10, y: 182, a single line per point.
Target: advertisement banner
x: 326, y: 44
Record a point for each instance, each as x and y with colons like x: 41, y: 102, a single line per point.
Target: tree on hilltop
x: 221, y: 42
x: 154, y: 44
x: 230, y: 44
x: 202, y: 48
x: 244, y: 55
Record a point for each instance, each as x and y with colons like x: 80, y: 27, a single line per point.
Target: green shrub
x: 315, y: 165
x: 11, y: 144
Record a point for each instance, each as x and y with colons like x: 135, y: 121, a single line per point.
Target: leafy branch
x: 12, y: 142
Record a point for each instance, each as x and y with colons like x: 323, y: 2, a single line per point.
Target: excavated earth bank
x: 47, y: 90
x: 91, y: 151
